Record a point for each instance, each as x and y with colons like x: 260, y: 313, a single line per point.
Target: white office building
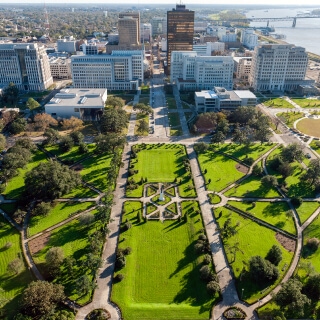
x: 86, y: 104
x: 209, y: 48
x: 279, y: 67
x: 229, y: 37
x: 65, y: 45
x: 26, y: 65
x: 192, y: 72
x: 242, y: 67
x: 222, y: 99
x: 122, y: 70
x: 248, y: 38
x: 60, y: 68
x: 146, y: 32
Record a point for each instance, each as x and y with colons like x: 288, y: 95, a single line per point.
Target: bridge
x: 254, y: 19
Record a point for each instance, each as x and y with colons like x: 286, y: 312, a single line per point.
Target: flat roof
x: 206, y: 94
x: 245, y: 94
x: 84, y: 98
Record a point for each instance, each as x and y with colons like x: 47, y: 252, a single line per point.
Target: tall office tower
x: 278, y: 67
x: 159, y: 25
x: 180, y: 28
x: 129, y: 28
x: 26, y: 65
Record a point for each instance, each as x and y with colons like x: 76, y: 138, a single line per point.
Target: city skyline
x: 186, y: 2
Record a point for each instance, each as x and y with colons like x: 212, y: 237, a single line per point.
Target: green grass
x: 80, y: 192
x: 151, y: 208
x: 290, y: 117
x: 71, y: 156
x: 171, y: 102
x: 278, y: 103
x: 16, y: 185
x: 59, y: 212
x: 307, y: 103
x: 141, y: 116
x: 94, y: 171
x: 214, y: 198
x: 171, y: 191
x: 9, y: 208
x: 220, y: 169
x: 161, y: 163
x: 173, y: 207
x: 253, y: 240
x: 242, y: 152
x: 188, y: 115
x: 315, y: 145
x: 306, y: 209
x: 252, y: 187
x: 176, y: 132
x: 174, y: 119
x: 271, y: 212
x: 144, y: 99
x: 11, y: 286
x: 72, y: 238
x: 162, y: 272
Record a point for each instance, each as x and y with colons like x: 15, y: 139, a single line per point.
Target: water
x: 306, y: 33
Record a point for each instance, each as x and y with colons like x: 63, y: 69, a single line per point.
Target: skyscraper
x: 129, y: 28
x: 180, y: 28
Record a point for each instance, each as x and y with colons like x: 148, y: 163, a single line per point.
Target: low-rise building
x: 222, y: 99
x: 60, y: 68
x: 248, y: 38
x: 86, y: 104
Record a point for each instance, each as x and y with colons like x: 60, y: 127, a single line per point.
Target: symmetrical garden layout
x: 161, y: 225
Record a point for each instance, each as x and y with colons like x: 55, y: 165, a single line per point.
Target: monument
x: 161, y: 197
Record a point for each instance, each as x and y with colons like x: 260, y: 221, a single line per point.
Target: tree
x: 66, y: 143
x: 113, y: 120
x: 73, y: 123
x: 86, y: 218
x: 213, y: 287
x: 285, y: 169
x: 11, y: 94
x: 77, y: 137
x: 262, y: 270
x: 218, y: 137
x: 54, y: 259
x: 3, y: 142
x: 41, y: 297
x: 42, y: 209
x: 242, y: 115
x: 26, y: 143
x: 32, y: 105
x: 223, y: 126
x: 274, y: 255
x: 263, y: 134
x: 18, y: 125
x: 84, y: 285
x: 143, y: 108
x: 228, y: 229
x: 52, y: 136
x: 269, y: 181
x: 238, y: 135
x: 15, y: 266
x: 293, y: 152
x: 201, y: 147
x: 291, y: 298
x: 312, y: 287
x: 51, y: 180
x: 205, y: 273
x: 42, y: 121
x: 313, y: 172
x: 109, y: 142
x: 143, y: 126
x: 8, y: 116
x: 114, y: 102
x: 257, y: 170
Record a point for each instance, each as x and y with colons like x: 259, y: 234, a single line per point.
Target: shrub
x: 127, y: 251
x: 202, y: 237
x: 8, y: 245
x: 213, y: 287
x: 127, y: 225
x: 274, y: 255
x: 296, y: 201
x: 207, y: 259
x: 119, y: 277
x: 249, y: 161
x: 42, y: 209
x: 313, y: 244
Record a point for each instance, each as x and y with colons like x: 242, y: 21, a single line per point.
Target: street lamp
x: 242, y: 293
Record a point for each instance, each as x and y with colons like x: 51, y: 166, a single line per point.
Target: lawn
x: 243, y: 152
x: 9, y: 208
x: 252, y: 239
x: 71, y: 156
x: 59, y: 212
x: 176, y: 132
x: 161, y: 163
x: 174, y: 119
x: 214, y: 198
x: 306, y: 209
x: 313, y: 231
x: 80, y: 192
x: 16, y: 185
x: 188, y: 115
x: 161, y: 276
x: 252, y: 187
x: 94, y: 171
x: 220, y: 169
x: 171, y: 102
x: 315, y: 145
x: 307, y: 103
x: 290, y: 117
x: 141, y: 116
x: 278, y: 103
x: 74, y: 241
x: 276, y: 213
x: 310, y: 127
x: 11, y: 285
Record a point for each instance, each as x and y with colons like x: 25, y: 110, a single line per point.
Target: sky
x: 315, y: 3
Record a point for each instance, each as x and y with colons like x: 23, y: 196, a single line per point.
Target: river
x: 306, y: 33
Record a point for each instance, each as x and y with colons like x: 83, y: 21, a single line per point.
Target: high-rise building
x: 122, y: 70
x: 248, y: 38
x: 180, y: 29
x: 192, y: 72
x: 278, y: 67
x: 159, y: 25
x: 26, y: 65
x: 129, y: 28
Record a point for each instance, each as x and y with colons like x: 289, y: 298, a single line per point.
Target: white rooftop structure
x: 86, y: 104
